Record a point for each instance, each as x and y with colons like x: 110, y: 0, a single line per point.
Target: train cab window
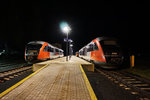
x: 95, y: 47
x: 45, y: 48
x: 90, y: 48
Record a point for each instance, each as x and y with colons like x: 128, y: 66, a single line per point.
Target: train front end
x: 32, y: 51
x: 112, y: 52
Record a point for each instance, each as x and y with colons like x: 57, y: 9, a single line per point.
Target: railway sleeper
x: 120, y: 80
x: 13, y: 75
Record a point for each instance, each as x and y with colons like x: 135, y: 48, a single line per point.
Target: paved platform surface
x: 59, y: 80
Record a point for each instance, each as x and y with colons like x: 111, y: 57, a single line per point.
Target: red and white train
x: 39, y: 50
x: 103, y: 51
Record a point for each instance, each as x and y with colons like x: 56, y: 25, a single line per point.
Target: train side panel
x: 103, y: 51
x: 97, y: 54
x: 43, y: 53
x: 39, y: 50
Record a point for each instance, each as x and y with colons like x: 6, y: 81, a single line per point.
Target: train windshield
x: 110, y: 46
x: 34, y: 46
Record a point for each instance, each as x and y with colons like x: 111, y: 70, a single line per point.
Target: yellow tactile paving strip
x: 60, y: 80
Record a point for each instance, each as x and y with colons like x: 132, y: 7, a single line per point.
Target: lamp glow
x: 65, y: 27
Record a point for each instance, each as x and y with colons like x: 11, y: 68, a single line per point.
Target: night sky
x: 22, y: 21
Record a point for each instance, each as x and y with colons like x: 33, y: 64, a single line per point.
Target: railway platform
x: 56, y: 80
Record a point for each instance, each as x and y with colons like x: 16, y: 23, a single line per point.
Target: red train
x: 39, y: 50
x: 103, y: 51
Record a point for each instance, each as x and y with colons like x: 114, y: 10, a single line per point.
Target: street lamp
x: 66, y: 29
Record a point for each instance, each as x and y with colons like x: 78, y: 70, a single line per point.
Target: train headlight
x: 103, y: 56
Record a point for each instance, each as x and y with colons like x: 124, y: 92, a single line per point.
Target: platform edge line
x: 88, y: 85
x: 20, y: 82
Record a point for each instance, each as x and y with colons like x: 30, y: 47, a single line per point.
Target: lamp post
x: 66, y: 29
x: 67, y: 47
x: 70, y: 46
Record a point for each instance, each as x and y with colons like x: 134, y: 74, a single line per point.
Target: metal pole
x: 67, y: 48
x: 70, y: 49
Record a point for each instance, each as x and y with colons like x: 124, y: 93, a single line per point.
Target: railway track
x: 10, y: 66
x: 12, y: 73
x: 134, y: 84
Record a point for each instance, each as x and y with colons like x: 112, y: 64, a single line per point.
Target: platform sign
x: 67, y: 40
x: 70, y: 40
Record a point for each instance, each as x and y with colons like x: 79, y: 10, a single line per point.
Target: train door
x: 51, y: 50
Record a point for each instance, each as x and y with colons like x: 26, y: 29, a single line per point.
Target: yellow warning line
x: 88, y: 85
x: 20, y: 82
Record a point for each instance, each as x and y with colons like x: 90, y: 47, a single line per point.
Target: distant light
x: 70, y: 40
x: 71, y: 45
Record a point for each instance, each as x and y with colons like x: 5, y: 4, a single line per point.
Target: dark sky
x: 22, y: 21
